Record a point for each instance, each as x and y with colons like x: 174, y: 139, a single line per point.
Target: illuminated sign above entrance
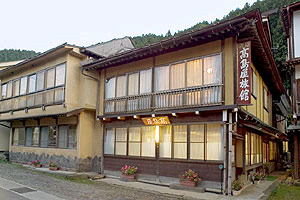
x: 154, y: 121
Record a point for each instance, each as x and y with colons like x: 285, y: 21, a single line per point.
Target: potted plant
x: 257, y: 176
x: 37, y: 163
x: 189, y: 178
x: 53, y: 166
x: 128, y: 173
x: 236, y: 187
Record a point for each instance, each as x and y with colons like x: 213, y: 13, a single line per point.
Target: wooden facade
x: 193, y: 80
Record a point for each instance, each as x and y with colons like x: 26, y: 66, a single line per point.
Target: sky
x: 40, y: 25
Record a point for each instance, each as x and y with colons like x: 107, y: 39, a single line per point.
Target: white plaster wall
x: 4, y: 137
x: 296, y: 32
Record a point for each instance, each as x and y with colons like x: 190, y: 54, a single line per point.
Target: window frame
x: 265, y: 98
x: 252, y: 83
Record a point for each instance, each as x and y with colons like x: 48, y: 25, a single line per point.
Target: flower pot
x: 38, y: 165
x: 53, y: 168
x: 128, y: 178
x: 188, y: 183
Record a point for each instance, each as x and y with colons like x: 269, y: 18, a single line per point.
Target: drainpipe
x: 229, y: 153
x: 225, y: 152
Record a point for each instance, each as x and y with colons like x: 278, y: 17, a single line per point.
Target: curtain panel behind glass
x: 197, y: 142
x: 177, y: 79
x: 214, y: 141
x: 133, y: 84
x: 194, y: 73
x: 62, y: 136
x: 165, y: 145
x: 121, y: 141
x: 134, y: 141
x: 161, y: 78
x: 121, y: 86
x: 28, y: 137
x: 146, y: 81
x: 109, y: 141
x: 35, y: 136
x: 110, y: 87
x: 180, y: 142
x: 148, y: 141
x: 50, y: 78
x: 44, y: 136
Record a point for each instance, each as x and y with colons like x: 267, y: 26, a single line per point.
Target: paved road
x: 72, y: 190
x: 8, y: 195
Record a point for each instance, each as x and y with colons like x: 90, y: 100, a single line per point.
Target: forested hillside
x: 279, y: 40
x: 278, y: 34
x: 15, y: 54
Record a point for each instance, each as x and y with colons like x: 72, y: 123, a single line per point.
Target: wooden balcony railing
x: 47, y: 97
x: 171, y: 99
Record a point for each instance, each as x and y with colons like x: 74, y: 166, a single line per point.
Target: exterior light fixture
x: 153, y: 115
x: 174, y: 114
x: 197, y: 112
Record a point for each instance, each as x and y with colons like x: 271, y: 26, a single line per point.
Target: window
x: 197, y: 142
x: 212, y: 70
x: 23, y: 87
x: 214, y: 142
x: 36, y: 136
x: 32, y: 83
x: 133, y: 84
x: 180, y: 142
x: 72, y: 142
x: 148, y: 141
x: 121, y: 86
x: 145, y: 81
x: 9, y: 89
x: 134, y: 141
x: 19, y: 136
x: 110, y: 87
x: 40, y: 80
x: 121, y: 139
x: 285, y: 146
x: 161, y: 78
x: 253, y: 145
x: 254, y: 84
x: 52, y: 136
x: 273, y: 150
x: 177, y: 78
x: 62, y: 136
x: 50, y: 78
x: 165, y: 146
x: 28, y: 136
x: 265, y: 98
x: 60, y: 75
x: 4, y: 90
x: 194, y: 73
x: 44, y: 136
x: 16, y: 88
x: 109, y: 141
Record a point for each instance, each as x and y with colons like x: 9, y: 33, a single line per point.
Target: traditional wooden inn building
x: 204, y: 100
x: 291, y: 21
x: 50, y: 107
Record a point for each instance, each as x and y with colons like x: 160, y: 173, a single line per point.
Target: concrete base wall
x: 64, y: 162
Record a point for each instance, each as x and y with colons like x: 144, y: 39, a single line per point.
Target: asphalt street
x: 9, y: 195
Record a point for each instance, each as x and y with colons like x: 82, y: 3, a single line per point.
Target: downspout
x: 229, y: 153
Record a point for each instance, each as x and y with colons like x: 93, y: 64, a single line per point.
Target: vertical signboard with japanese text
x: 244, y: 73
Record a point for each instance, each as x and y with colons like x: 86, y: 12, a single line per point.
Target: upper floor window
x: 39, y: 81
x: 265, y: 98
x: 194, y: 72
x: 254, y: 84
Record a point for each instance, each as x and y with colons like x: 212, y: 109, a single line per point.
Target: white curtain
x: 121, y: 139
x: 23, y: 88
x: 197, y: 142
x: 148, y: 141
x: 145, y: 81
x: 62, y: 136
x: 110, y: 87
x: 177, y: 76
x: 133, y: 84
x: 35, y: 136
x: 161, y: 78
x: 16, y: 88
x: 28, y: 137
x: 121, y: 86
x: 166, y: 142
x: 9, y: 89
x: 194, y: 73
x: 50, y: 78
x: 134, y: 141
x: 72, y: 137
x: 214, y: 142
x: 16, y: 136
x: 212, y: 70
x: 60, y: 75
x: 109, y: 141
x: 180, y: 141
x: 44, y: 136
x: 4, y: 90
x: 40, y: 81
x: 32, y: 83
